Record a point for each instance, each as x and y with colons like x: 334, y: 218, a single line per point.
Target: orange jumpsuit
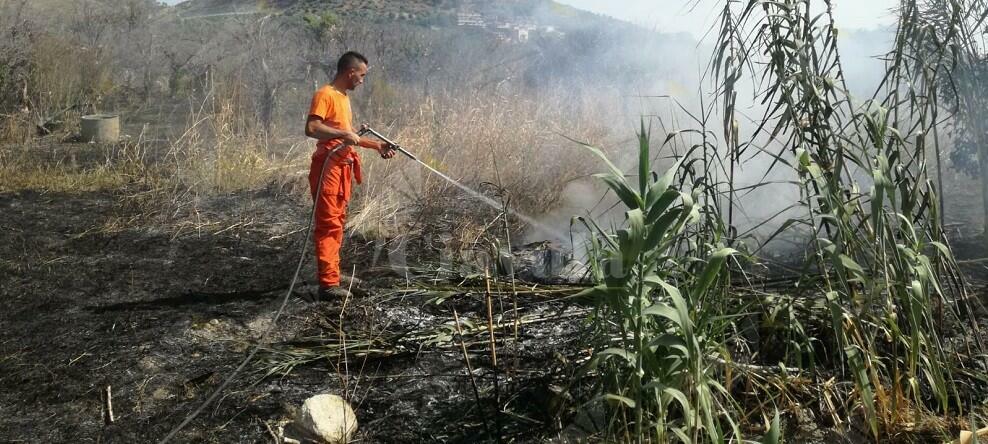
x: 333, y: 108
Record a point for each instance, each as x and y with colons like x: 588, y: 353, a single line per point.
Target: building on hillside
x: 522, y: 31
x: 514, y: 32
x: 503, y: 28
x: 521, y: 34
x: 470, y: 19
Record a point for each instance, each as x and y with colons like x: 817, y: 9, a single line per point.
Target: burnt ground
x: 163, y: 314
x: 92, y: 295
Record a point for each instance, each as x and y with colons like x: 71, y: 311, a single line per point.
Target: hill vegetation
x: 429, y: 12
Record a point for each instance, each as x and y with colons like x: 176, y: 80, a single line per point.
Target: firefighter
x: 330, y: 121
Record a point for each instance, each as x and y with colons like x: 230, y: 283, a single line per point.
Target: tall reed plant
x: 877, y: 254
x: 658, y: 298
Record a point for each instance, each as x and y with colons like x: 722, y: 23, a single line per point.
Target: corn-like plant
x: 878, y: 264
x: 659, y: 322
x: 878, y: 255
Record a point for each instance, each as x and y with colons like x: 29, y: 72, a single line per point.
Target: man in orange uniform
x: 330, y: 121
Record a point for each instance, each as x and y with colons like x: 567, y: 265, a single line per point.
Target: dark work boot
x: 348, y: 281
x: 333, y: 294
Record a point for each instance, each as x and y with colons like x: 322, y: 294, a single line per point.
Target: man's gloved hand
x: 387, y: 150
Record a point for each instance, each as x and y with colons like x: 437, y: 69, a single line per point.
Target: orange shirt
x: 333, y: 107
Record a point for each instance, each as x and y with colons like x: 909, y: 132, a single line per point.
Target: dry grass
x: 217, y: 155
x: 165, y: 181
x: 502, y: 146
x: 499, y: 145
x: 51, y: 166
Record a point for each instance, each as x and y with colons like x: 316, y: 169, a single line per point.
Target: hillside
x: 381, y: 9
x: 426, y: 12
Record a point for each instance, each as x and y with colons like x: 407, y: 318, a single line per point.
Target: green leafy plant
x: 657, y: 312
x: 878, y: 256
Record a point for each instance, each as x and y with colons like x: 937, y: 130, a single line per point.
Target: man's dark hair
x: 350, y: 60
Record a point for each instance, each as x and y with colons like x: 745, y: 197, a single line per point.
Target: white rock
x: 327, y: 418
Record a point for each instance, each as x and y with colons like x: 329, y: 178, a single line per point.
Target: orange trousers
x: 330, y: 212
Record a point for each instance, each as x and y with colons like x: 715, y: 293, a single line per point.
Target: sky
x: 696, y: 16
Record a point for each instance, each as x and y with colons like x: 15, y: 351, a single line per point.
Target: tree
x: 271, y: 64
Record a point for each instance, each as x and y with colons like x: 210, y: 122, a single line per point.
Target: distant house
x: 504, y: 30
x: 522, y: 31
x: 522, y: 34
x: 470, y: 19
x: 513, y: 32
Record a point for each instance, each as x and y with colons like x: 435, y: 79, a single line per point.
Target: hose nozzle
x: 366, y: 129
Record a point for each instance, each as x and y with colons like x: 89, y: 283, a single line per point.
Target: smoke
x: 663, y: 78
x: 599, y: 69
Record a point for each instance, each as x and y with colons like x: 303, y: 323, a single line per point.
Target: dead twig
x: 274, y: 435
x: 493, y: 342
x: 466, y: 359
x: 342, y: 334
x: 108, y: 405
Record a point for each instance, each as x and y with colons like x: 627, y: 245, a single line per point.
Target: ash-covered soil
x: 95, y: 294
x: 162, y: 315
